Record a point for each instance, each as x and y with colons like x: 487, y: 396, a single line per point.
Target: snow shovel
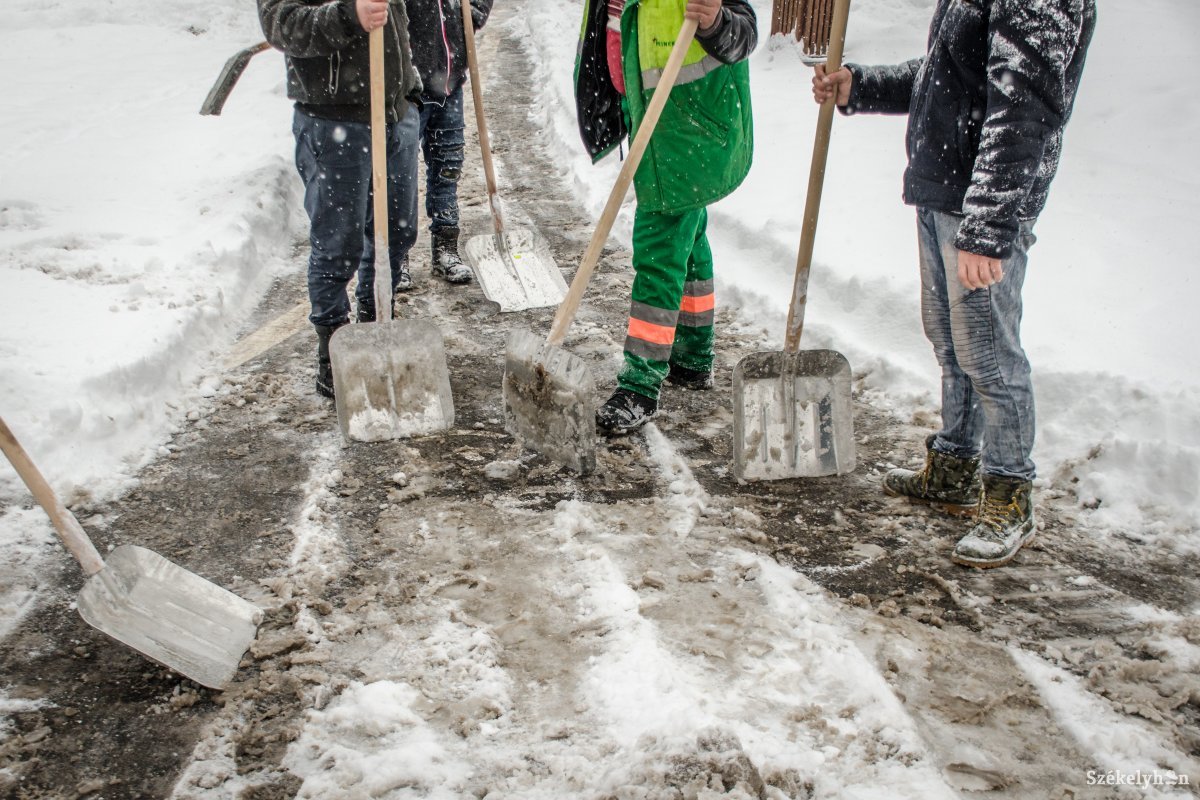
x: 793, y: 415
x: 514, y: 265
x: 548, y: 393
x: 141, y: 599
x: 390, y: 378
x: 233, y: 69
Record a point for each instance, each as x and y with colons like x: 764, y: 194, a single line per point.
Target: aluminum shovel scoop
x: 141, y: 599
x: 548, y: 393
x: 390, y: 378
x: 514, y: 266
x: 792, y: 410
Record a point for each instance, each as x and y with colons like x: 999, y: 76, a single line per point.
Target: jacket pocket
x: 708, y: 124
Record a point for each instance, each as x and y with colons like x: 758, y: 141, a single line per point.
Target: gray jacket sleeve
x: 734, y: 34
x: 303, y: 30
x: 882, y: 90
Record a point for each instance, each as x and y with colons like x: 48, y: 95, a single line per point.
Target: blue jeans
x: 334, y: 161
x: 987, y: 393
x: 442, y: 143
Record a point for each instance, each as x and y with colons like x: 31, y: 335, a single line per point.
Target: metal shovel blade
x: 548, y: 397
x: 792, y: 415
x: 390, y: 380
x: 169, y: 614
x: 515, y: 269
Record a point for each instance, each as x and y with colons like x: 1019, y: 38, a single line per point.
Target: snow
x: 136, y: 237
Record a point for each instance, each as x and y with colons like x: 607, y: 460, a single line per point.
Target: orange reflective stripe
x: 697, y: 305
x: 649, y: 332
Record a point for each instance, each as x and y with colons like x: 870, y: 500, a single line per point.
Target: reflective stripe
x: 648, y: 331
x: 702, y: 319
x: 697, y: 305
x: 687, y: 73
x: 647, y: 350
x: 652, y: 314
x: 698, y: 288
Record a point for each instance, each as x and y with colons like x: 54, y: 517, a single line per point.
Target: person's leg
x: 949, y: 480
x: 692, y: 352
x: 962, y: 416
x: 402, y: 149
x: 985, y: 330
x: 329, y: 160
x: 442, y: 142
x: 662, y: 247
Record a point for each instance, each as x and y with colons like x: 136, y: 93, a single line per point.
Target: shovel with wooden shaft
x: 793, y: 415
x: 548, y: 393
x: 514, y: 266
x: 141, y: 599
x: 390, y: 379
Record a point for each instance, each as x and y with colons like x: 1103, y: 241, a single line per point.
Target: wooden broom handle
x: 485, y: 146
x: 816, y: 178
x: 383, y: 262
x: 69, y: 529
x: 566, y: 311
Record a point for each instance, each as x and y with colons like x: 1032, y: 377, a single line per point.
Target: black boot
x: 324, y: 367
x: 947, y: 483
x: 698, y: 380
x: 447, y: 264
x: 625, y: 412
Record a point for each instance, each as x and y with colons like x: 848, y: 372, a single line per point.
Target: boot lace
x: 995, y: 512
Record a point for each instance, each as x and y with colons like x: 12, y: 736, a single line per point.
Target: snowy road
x: 453, y: 617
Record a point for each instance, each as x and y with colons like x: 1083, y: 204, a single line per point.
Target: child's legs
x: 335, y: 173
x: 693, y: 348
x: 402, y: 205
x: 662, y: 247
x: 442, y: 143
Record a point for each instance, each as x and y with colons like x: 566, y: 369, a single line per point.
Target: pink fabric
x: 613, y: 44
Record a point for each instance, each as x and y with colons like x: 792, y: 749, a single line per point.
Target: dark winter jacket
x: 328, y: 60
x: 704, y: 142
x: 439, y: 46
x: 987, y: 105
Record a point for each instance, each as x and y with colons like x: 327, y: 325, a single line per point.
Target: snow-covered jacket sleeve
x: 1031, y: 48
x: 480, y: 11
x: 733, y: 35
x: 882, y: 90
x: 304, y: 30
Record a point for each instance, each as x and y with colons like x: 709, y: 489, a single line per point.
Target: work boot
x: 947, y: 483
x: 694, y: 379
x: 625, y: 412
x: 447, y: 264
x: 366, y: 308
x: 324, y: 367
x: 1003, y: 523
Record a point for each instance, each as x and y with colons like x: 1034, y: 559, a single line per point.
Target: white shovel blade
x: 169, y: 614
x: 515, y: 269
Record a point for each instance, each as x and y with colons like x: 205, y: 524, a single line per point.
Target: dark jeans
x: 987, y: 393
x: 334, y: 161
x: 442, y: 144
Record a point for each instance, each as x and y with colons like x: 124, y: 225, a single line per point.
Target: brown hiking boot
x: 1004, y: 523
x: 947, y: 483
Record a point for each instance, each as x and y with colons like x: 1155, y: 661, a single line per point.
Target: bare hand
x: 825, y: 86
x: 372, y: 14
x: 705, y: 12
x: 978, y: 272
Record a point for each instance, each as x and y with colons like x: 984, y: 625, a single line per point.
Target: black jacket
x: 439, y: 46
x: 328, y: 59
x: 987, y: 105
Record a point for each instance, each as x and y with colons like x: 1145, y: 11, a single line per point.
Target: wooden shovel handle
x: 566, y: 311
x: 485, y: 146
x: 816, y: 178
x: 69, y: 529
x: 383, y: 263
